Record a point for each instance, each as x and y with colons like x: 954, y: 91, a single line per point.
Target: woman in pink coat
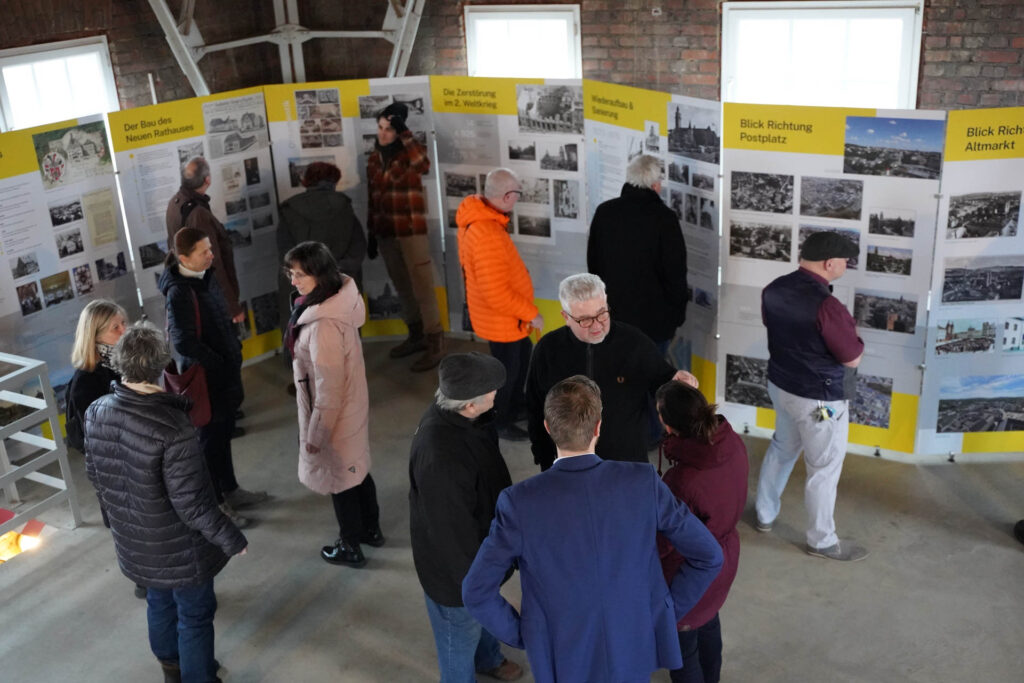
x: 330, y: 379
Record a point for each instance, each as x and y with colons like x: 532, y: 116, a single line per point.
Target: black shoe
x: 513, y: 433
x: 1018, y: 530
x: 373, y: 538
x: 172, y: 671
x: 343, y: 553
x: 238, y: 433
x: 140, y: 592
x: 239, y: 414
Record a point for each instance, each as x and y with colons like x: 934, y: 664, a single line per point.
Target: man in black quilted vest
x: 142, y: 455
x: 813, y: 348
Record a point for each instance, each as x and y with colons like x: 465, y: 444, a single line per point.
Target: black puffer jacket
x: 142, y: 455
x: 218, y: 350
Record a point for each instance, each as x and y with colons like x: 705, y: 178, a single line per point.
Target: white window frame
x: 569, y: 13
x: 733, y: 11
x: 62, y: 49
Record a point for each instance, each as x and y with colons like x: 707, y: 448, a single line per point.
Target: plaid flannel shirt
x: 397, y: 203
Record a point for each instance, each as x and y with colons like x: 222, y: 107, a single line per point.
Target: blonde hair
x: 94, y: 319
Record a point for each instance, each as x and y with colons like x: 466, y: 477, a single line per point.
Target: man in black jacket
x: 456, y: 473
x: 636, y: 247
x: 142, y: 456
x: 622, y: 360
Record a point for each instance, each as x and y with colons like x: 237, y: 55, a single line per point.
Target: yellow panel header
x: 777, y: 128
x: 18, y: 154
x: 156, y: 124
x: 625, y: 106
x: 979, y: 134
x: 467, y: 95
x: 282, y: 100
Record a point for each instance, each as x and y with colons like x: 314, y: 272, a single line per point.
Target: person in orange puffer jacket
x: 499, y: 292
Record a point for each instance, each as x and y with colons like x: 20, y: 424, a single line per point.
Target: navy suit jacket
x: 595, y: 604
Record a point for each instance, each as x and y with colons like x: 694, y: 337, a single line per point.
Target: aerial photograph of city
x: 993, y: 403
x: 761, y: 241
x: 888, y: 260
x: 887, y: 311
x: 908, y: 148
x: 965, y: 336
x: 982, y: 278
x: 768, y: 192
x: 831, y: 197
x: 873, y: 402
x: 746, y: 381
x: 894, y: 222
x: 983, y: 214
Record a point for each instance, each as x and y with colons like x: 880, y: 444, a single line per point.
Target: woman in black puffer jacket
x: 142, y: 456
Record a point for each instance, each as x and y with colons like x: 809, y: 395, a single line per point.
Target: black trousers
x: 357, y: 511
x: 702, y: 654
x: 511, y: 398
x: 215, y: 440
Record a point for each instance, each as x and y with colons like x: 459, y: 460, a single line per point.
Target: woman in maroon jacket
x: 709, y: 474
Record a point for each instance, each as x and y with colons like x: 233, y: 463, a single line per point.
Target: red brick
x: 1017, y: 43
x: 1003, y: 56
x: 935, y: 41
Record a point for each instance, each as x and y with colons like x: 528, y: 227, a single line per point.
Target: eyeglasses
x: 517, y: 193
x: 602, y: 317
x: 294, y: 274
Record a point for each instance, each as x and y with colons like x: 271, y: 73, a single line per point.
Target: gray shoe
x: 240, y: 498
x: 240, y: 521
x: 844, y: 551
x: 763, y: 527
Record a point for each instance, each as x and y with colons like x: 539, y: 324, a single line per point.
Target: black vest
x: 800, y: 363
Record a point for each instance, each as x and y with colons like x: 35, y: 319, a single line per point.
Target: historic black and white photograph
x: 907, y: 148
x: 23, y: 264
x: 533, y: 226
x: 57, y: 288
x: 332, y: 140
x: 652, y: 139
x: 259, y: 199
x: 235, y: 206
x: 535, y: 190
x: 550, y: 108
x: 873, y: 403
x: 983, y: 214
x: 66, y: 211
x: 678, y: 172
x: 567, y: 198
x: 892, y: 260
x: 851, y: 234
x: 675, y: 202
x: 452, y: 211
x: 886, y: 311
x: 768, y: 192
x: 319, y: 114
x: 693, y: 131
x: 746, y: 381
x: 239, y: 231
x: 82, y: 276
x: 369, y: 144
x: 1013, y: 335
x: 371, y: 105
x: 153, y: 254
x: 556, y: 156
x: 708, y: 213
x: 28, y: 298
x: 971, y: 335
x: 982, y: 278
x: 111, y: 267
x: 522, y: 150
x: 297, y: 166
x: 262, y: 220
x: 634, y: 147
x: 69, y: 243
x: 702, y: 181
x: 189, y: 150
x: 893, y: 222
x: 979, y: 403
x: 761, y: 241
x: 252, y: 171
x: 382, y: 301
x: 831, y: 197
x: 459, y: 185
x: 691, y: 211
x: 305, y: 97
x: 265, y: 312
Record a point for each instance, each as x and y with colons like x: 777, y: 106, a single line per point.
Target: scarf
x: 389, y: 152
x: 291, y: 333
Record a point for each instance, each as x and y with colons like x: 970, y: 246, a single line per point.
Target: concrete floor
x: 940, y: 598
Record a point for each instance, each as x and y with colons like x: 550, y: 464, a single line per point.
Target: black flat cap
x: 464, y: 376
x: 821, y: 246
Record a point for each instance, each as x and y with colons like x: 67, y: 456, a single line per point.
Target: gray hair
x: 451, y: 404
x: 579, y: 288
x: 142, y: 353
x: 499, y: 181
x: 644, y: 171
x: 195, y: 173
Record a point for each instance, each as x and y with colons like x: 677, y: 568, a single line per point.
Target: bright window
x: 53, y: 82
x: 850, y: 54
x: 524, y: 41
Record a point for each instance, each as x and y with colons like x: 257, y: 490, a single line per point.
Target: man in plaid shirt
x: 397, y: 225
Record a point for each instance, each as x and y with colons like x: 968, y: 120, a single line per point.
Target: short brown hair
x: 319, y: 171
x: 572, y: 410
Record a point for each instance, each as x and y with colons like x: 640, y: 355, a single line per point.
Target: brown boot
x: 433, y: 355
x: 412, y: 344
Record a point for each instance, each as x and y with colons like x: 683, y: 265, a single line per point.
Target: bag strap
x: 199, y: 321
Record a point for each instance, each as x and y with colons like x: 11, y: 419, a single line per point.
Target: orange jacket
x: 499, y: 292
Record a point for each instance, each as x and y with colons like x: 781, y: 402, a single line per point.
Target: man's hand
x: 244, y: 551
x: 686, y: 378
x: 239, y: 318
x: 538, y: 322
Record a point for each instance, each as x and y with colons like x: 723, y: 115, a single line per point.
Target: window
x: 851, y: 54
x: 537, y: 41
x: 45, y: 83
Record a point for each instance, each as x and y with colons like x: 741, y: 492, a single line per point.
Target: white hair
x: 499, y: 181
x: 454, y: 405
x: 644, y: 171
x: 579, y: 288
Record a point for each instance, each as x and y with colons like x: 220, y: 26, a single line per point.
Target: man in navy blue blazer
x: 595, y: 605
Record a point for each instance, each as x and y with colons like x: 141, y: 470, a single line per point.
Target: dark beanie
x: 394, y: 109
x: 464, y: 376
x: 821, y: 246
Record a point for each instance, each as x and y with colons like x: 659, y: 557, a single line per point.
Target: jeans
x: 463, y: 646
x: 357, y: 511
x: 511, y: 397
x: 823, y: 442
x: 215, y: 440
x: 181, y: 629
x: 702, y: 654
